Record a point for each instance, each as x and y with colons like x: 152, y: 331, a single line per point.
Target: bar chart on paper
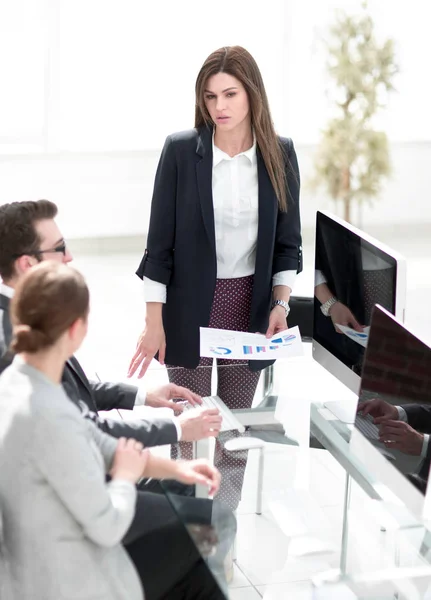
x: 222, y: 343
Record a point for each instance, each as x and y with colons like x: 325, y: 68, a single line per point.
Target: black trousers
x: 167, y: 561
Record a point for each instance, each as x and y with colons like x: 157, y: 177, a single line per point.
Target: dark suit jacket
x: 181, y: 250
x: 419, y: 417
x: 5, y: 333
x: 96, y: 395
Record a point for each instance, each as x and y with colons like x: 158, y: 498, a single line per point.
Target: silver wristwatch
x: 326, y: 306
x: 282, y: 303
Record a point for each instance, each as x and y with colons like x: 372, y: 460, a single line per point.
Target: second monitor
x: 353, y: 272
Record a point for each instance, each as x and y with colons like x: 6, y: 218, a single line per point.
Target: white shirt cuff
x: 141, y: 397
x: 425, y: 445
x: 319, y: 278
x: 154, y: 291
x: 284, y: 278
x: 178, y: 428
x: 402, y: 415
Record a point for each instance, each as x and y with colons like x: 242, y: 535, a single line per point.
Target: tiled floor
x: 270, y: 563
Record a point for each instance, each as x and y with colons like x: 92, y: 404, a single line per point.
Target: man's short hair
x: 18, y: 235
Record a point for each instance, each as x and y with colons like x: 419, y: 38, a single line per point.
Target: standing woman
x: 224, y: 241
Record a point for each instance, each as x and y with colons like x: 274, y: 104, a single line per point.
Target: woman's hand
x: 151, y: 341
x: 130, y: 460
x: 198, y: 471
x: 187, y: 471
x: 342, y: 315
x: 277, y: 321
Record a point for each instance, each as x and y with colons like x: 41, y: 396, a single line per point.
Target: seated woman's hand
x: 198, y: 471
x: 129, y: 461
x: 151, y: 341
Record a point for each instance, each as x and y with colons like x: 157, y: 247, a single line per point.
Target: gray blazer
x: 62, y: 524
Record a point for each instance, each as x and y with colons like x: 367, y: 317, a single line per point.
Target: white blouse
x: 235, y: 198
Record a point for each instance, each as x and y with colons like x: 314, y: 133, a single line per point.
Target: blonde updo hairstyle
x: 48, y: 299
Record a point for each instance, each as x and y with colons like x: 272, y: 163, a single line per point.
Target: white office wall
x: 126, y: 68
x: 406, y: 117
x: 105, y: 75
x: 92, y: 87
x: 108, y: 195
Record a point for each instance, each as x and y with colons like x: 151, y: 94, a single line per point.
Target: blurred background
x: 91, y: 88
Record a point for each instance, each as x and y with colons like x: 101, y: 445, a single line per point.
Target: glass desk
x: 376, y: 548
x: 329, y: 523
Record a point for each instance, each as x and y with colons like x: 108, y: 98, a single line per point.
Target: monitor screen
x: 395, y: 396
x: 353, y: 272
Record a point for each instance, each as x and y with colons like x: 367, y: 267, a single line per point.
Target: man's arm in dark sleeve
x: 156, y: 432
x: 419, y: 416
x: 113, y: 395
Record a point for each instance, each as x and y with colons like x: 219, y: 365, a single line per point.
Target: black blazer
x: 181, y: 249
x: 341, y: 264
x: 419, y: 417
x: 91, y: 396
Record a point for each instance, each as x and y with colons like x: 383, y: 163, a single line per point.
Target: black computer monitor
x: 359, y: 271
x: 397, y: 374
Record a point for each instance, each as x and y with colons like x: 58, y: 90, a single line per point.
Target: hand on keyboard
x: 199, y: 423
x: 366, y: 426
x: 229, y: 421
x: 380, y: 410
x: 166, y: 395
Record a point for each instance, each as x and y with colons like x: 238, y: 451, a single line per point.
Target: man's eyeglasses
x: 60, y: 248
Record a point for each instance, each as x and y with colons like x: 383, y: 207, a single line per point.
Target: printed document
x: 361, y: 337
x: 222, y: 343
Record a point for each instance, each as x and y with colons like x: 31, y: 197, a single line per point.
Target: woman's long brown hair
x: 239, y: 63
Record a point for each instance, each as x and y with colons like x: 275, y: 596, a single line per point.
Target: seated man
x: 28, y: 235
x: 156, y: 541
x: 406, y: 428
